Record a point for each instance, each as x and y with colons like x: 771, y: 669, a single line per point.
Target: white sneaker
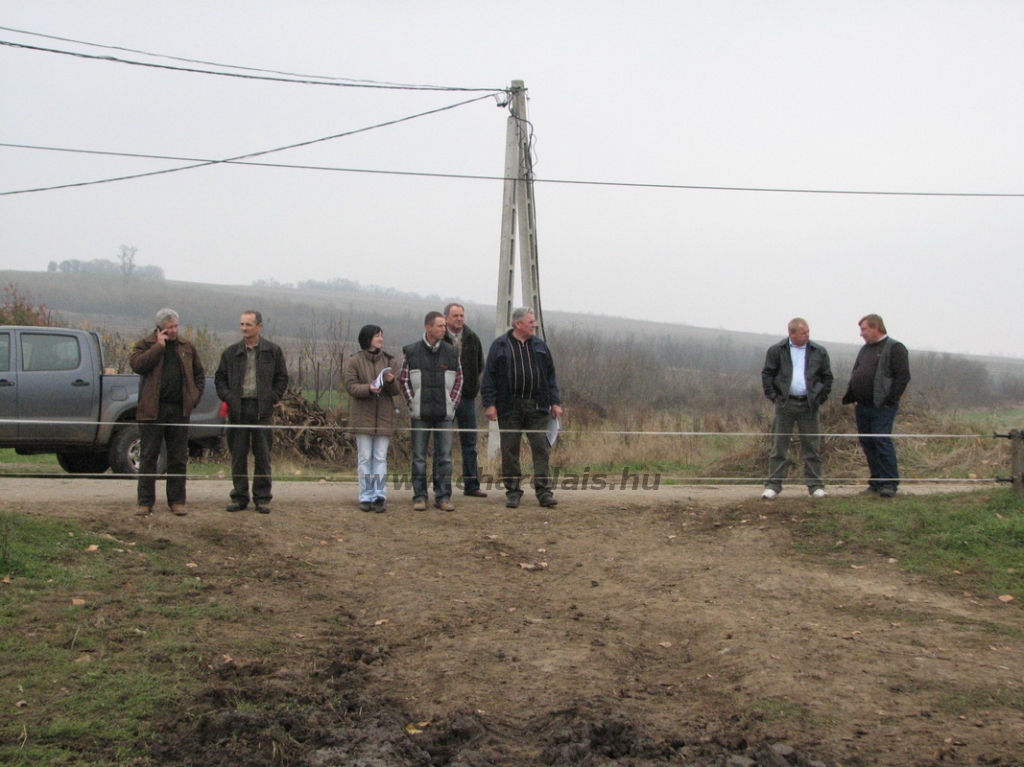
x: 769, y: 494
x: 819, y: 493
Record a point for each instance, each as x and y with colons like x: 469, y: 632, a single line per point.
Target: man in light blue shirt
x: 797, y: 378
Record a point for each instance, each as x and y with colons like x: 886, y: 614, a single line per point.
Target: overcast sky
x: 884, y: 96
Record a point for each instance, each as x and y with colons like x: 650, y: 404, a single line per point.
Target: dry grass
x: 734, y: 445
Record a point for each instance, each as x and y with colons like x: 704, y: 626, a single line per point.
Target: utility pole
x: 518, y: 228
x: 518, y: 219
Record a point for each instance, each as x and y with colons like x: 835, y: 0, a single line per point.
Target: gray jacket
x: 777, y: 374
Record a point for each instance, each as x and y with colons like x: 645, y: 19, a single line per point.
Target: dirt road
x: 673, y: 626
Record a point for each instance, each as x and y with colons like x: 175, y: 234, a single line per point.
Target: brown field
x: 677, y: 626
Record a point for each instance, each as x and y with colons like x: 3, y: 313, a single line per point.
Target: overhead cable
x: 231, y: 160
x: 299, y: 79
x: 464, y: 176
x: 226, y: 66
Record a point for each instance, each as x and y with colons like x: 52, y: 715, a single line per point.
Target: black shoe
x: 887, y: 492
x: 235, y: 506
x: 512, y: 502
x: 263, y: 508
x: 365, y: 506
x: 476, y: 493
x: 547, y: 501
x: 379, y: 505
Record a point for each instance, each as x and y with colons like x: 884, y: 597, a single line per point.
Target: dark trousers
x: 170, y: 428
x: 880, y: 451
x: 242, y: 441
x: 524, y: 416
x: 465, y: 419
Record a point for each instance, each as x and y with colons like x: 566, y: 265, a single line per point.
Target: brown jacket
x: 147, y: 359
x: 371, y: 413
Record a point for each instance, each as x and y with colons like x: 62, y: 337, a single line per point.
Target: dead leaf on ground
x: 533, y: 565
x: 1006, y: 598
x: 417, y: 727
x: 92, y: 548
x: 381, y: 622
x: 77, y: 602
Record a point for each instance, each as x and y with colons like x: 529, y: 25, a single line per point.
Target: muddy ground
x: 676, y: 626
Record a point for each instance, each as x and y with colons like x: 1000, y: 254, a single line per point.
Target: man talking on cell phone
x: 171, y: 385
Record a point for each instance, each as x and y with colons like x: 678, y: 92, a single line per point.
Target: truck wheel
x: 83, y: 463
x: 125, y: 452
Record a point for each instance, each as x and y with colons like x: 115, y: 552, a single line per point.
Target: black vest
x: 431, y: 376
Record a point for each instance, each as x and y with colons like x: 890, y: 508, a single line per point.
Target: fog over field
x: 723, y: 165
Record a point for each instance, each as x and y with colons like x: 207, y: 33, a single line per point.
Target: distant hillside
x: 103, y: 301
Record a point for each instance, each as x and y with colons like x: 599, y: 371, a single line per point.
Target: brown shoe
x: 143, y: 510
x: 178, y: 509
x: 478, y: 493
x: 445, y: 505
x: 420, y: 504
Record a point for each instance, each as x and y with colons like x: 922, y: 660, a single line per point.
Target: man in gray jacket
x: 797, y: 378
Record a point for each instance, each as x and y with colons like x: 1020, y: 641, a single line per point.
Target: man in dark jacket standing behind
x: 797, y: 378
x: 471, y: 355
x: 877, y: 382
x: 251, y: 379
x: 171, y: 385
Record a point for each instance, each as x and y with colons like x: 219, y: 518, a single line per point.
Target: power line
x: 297, y: 79
x: 464, y: 176
x: 225, y: 66
x: 231, y: 160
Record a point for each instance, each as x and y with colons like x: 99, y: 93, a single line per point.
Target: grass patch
x: 12, y: 463
x: 98, y: 638
x: 781, y: 710
x: 966, y: 701
x: 970, y: 541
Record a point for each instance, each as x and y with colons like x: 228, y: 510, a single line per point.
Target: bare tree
x: 127, y: 258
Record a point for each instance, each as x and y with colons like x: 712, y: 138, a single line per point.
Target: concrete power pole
x: 518, y: 219
x: 518, y: 227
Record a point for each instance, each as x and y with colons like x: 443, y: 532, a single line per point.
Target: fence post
x: 1017, y: 441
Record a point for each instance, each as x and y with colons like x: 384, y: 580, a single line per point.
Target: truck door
x: 8, y: 390
x: 57, y: 383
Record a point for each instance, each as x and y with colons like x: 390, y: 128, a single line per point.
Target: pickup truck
x: 56, y: 397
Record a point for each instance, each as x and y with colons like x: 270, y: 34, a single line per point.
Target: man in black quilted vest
x: 431, y: 382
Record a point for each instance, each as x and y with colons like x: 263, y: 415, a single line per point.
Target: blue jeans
x: 372, y: 467
x: 465, y: 417
x: 797, y: 413
x: 442, y: 431
x: 880, y: 451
